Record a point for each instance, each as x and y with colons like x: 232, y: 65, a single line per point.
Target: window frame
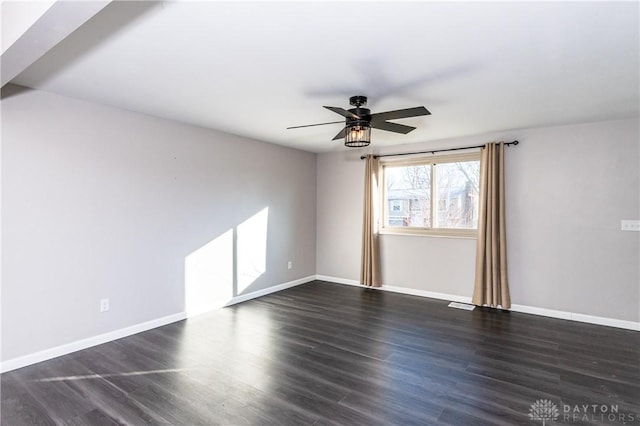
x: 431, y: 160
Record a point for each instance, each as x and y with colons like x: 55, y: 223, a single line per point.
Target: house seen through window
x: 434, y: 195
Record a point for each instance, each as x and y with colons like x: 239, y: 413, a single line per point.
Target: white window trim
x: 415, y: 231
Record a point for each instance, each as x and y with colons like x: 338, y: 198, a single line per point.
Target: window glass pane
x: 408, y: 196
x: 457, y: 195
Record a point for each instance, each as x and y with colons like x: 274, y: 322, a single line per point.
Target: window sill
x: 440, y: 233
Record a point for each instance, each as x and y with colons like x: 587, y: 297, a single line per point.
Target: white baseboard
x: 552, y: 313
x: 34, y: 358
x: 571, y: 316
x: 424, y: 293
x: 67, y: 348
x: 339, y: 280
x: 574, y: 316
x: 268, y: 290
x: 403, y: 290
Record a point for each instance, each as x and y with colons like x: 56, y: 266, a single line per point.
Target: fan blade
x: 319, y: 124
x: 400, y: 113
x: 343, y: 112
x: 392, y: 127
x: 341, y: 135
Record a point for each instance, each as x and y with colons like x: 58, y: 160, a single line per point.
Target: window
x: 432, y: 196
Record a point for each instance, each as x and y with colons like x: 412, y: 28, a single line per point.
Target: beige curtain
x: 370, y: 265
x: 491, y: 283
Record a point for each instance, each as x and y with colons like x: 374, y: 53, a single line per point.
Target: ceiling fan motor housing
x: 364, y: 115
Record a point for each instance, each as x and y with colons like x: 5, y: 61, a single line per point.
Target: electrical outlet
x: 289, y: 265
x: 104, y: 305
x: 630, y: 225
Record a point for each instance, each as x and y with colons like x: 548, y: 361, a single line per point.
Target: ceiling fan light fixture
x: 358, y: 136
x: 359, y: 121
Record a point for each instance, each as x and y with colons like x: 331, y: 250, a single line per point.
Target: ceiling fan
x: 359, y: 121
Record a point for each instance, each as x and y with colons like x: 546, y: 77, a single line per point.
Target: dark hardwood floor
x: 328, y: 354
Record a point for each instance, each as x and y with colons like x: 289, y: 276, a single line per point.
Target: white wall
x: 567, y: 187
x: 99, y: 202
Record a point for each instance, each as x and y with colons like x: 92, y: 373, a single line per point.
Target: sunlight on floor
x: 107, y: 375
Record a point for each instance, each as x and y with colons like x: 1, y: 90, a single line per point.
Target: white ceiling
x: 254, y: 69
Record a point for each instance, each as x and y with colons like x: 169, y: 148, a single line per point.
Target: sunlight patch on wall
x: 252, y: 249
x: 209, y: 275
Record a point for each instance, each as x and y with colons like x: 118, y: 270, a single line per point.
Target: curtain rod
x: 436, y: 150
